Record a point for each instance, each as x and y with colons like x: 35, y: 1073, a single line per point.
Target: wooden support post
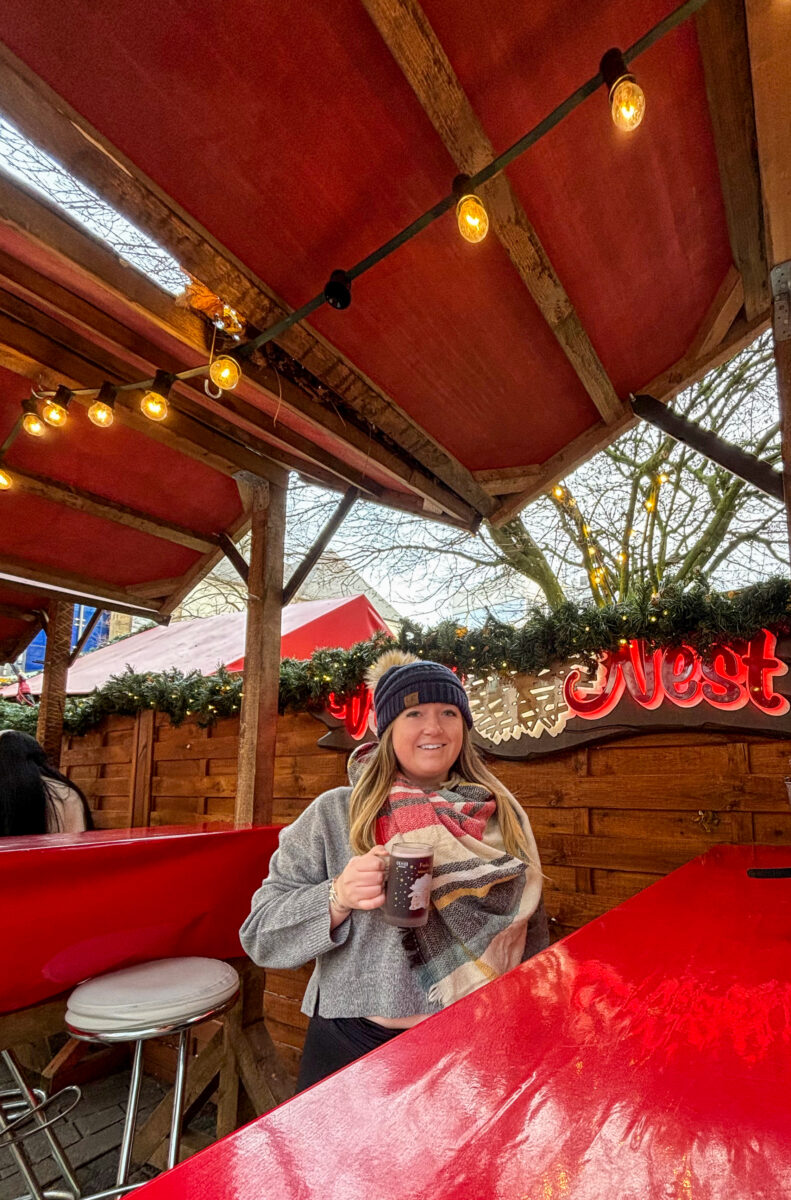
x: 56, y: 665
x: 258, y: 728
x: 782, y: 344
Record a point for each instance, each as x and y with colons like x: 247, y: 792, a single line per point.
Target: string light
x: 650, y: 504
x: 626, y: 97
x: 154, y: 402
x: 225, y: 373
x: 558, y: 492
x: 472, y: 217
x: 54, y: 410
x: 5, y: 480
x: 663, y: 478
x: 101, y: 411
x: 31, y: 422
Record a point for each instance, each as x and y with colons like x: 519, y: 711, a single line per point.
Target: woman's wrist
x: 335, y: 900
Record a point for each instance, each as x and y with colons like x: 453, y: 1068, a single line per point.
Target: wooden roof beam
x: 81, y: 500
x: 411, y: 40
x: 65, y: 585
x: 26, y: 212
x: 722, y: 36
x: 664, y: 387
x: 52, y: 124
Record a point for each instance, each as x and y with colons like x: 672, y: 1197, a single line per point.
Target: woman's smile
x: 427, y: 741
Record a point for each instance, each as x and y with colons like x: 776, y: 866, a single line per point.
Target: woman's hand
x: 361, y: 882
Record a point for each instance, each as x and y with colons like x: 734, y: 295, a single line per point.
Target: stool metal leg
x: 55, y: 1147
x: 178, y: 1101
x: 24, y: 1164
x: 131, y: 1116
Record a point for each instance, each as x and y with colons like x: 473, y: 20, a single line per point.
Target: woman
x: 422, y: 782
x: 34, y: 796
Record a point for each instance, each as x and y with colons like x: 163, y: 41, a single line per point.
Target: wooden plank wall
x: 609, y: 819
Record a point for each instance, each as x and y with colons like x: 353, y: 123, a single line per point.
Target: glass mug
x: 408, y: 887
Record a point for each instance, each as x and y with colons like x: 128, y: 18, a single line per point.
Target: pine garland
x: 696, y: 616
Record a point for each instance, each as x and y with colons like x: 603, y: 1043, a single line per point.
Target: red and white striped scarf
x: 481, y: 897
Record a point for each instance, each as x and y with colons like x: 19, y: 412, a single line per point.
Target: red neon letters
x: 732, y: 677
x: 354, y: 712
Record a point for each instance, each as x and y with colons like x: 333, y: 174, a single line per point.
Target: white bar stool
x: 151, y: 1000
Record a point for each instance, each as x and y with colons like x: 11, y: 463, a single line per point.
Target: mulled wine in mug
x: 408, y: 888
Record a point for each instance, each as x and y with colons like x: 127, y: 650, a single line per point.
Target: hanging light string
x: 338, y: 290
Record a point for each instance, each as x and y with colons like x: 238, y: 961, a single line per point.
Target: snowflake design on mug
x: 420, y: 893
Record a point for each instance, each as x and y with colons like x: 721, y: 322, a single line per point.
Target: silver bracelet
x: 334, y: 897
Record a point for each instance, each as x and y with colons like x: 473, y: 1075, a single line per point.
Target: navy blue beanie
x: 414, y: 683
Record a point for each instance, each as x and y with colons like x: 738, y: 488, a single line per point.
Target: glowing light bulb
x: 154, y: 402
x: 663, y: 478
x: 154, y: 406
x: 558, y: 492
x: 225, y: 373
x: 5, y: 480
x: 621, y: 557
x: 626, y: 97
x: 650, y: 504
x: 627, y: 103
x: 472, y: 218
x: 101, y: 411
x: 101, y: 414
x: 54, y: 414
x: 32, y: 424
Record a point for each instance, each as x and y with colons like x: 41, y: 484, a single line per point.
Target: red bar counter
x: 77, y: 905
x: 646, y: 1057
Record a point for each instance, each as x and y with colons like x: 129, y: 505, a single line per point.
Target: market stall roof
x: 206, y: 643
x: 463, y: 379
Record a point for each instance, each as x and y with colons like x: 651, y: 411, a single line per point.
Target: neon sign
x: 354, y: 711
x: 731, y: 677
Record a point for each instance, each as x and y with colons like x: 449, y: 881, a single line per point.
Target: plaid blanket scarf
x: 481, y: 898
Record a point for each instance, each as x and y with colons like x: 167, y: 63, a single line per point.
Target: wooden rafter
x: 721, y: 315
x: 25, y: 212
x: 415, y: 47
x: 28, y: 575
x: 81, y: 500
x: 44, y: 117
x: 664, y: 387
x: 722, y: 37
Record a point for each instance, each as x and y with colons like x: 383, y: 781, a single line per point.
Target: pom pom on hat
x: 391, y: 658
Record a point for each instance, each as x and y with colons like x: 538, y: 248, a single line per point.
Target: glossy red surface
x: 646, y: 1057
x: 77, y: 905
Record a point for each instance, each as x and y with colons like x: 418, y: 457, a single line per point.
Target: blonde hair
x: 376, y: 779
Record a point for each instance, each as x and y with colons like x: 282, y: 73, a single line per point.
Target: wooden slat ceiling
x: 267, y: 145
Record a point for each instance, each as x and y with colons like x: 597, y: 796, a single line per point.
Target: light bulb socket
x: 163, y: 382
x: 338, y: 292
x: 29, y: 406
x: 63, y: 396
x: 107, y: 394
x: 613, y: 69
x: 460, y: 187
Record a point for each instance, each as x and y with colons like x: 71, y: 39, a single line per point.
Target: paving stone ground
x: 91, y: 1134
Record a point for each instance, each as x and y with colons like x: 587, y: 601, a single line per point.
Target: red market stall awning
x: 205, y: 643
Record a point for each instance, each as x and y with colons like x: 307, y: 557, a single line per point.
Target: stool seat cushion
x: 167, y: 991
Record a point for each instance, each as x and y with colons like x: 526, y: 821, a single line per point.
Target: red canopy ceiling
x: 288, y: 131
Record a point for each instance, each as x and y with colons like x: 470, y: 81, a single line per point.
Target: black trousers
x: 334, y: 1042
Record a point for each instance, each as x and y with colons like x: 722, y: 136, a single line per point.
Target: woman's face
x: 427, y: 741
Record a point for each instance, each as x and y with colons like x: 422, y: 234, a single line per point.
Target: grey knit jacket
x: 361, y: 968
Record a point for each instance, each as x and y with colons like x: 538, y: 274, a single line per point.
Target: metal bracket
x: 780, y: 281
